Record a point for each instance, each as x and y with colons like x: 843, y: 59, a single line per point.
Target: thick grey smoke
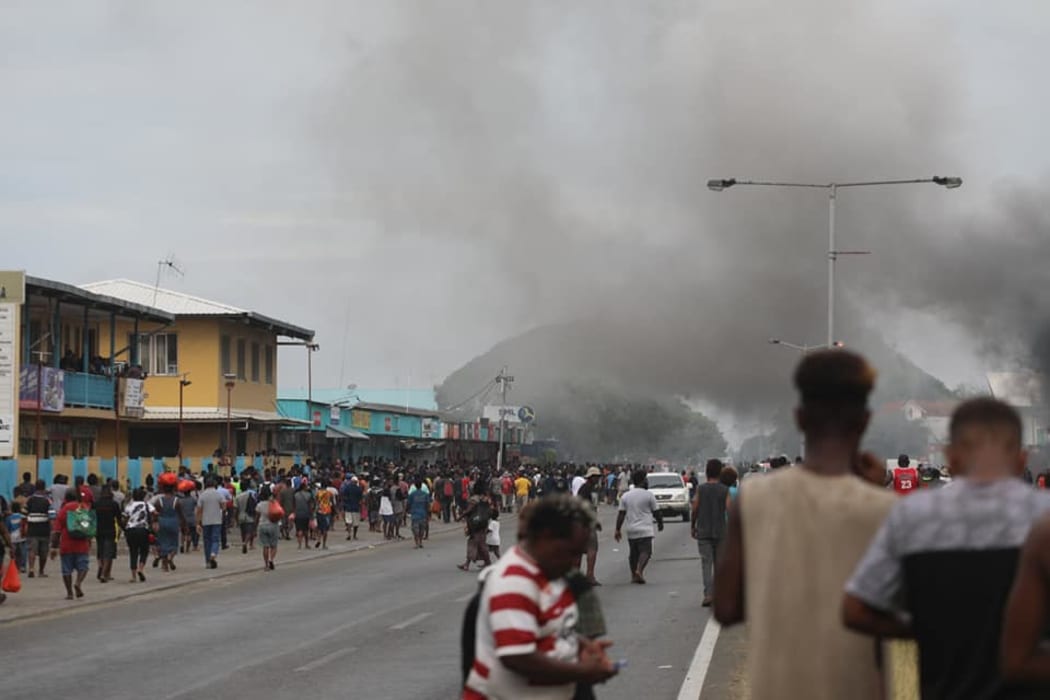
x: 559, y: 157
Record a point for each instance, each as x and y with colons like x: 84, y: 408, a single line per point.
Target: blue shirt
x: 418, y: 504
x: 352, y: 495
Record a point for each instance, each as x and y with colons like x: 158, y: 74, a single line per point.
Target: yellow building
x: 214, y: 364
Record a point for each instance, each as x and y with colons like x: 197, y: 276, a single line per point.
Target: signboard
x: 132, y: 397
x: 12, y: 292
x: 361, y: 420
x: 511, y: 414
x: 430, y: 428
x: 526, y: 414
x: 317, y: 419
x: 334, y: 415
x: 53, y: 396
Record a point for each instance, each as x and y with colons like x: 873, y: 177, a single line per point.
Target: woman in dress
x: 170, y: 523
x: 269, y: 530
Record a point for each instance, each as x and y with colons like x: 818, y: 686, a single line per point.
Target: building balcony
x: 84, y: 390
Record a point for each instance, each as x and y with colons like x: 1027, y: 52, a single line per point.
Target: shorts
x: 388, y: 519
x: 302, y: 525
x: 592, y: 542
x: 352, y: 518
x: 247, y: 530
x: 419, y: 527
x: 106, y: 547
x: 75, y: 562
x: 269, y: 534
x: 38, y: 545
x: 324, y: 522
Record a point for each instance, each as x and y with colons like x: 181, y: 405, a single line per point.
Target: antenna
x: 172, y: 266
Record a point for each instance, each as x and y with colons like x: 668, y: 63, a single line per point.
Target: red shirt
x: 86, y: 495
x: 67, y: 544
x: 905, y: 480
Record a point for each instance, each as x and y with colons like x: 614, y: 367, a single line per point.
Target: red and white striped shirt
x: 521, y: 612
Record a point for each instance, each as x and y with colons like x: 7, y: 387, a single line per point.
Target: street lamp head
x: 313, y: 347
x: 774, y: 341
x: 229, y: 376
x: 950, y: 182
x: 719, y: 185
x: 185, y: 382
x: 351, y: 387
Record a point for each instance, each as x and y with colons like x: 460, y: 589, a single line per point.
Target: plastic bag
x: 275, y: 512
x: 12, y: 582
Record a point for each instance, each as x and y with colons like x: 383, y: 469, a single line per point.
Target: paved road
x: 377, y: 624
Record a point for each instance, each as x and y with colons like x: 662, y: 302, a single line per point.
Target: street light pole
x: 719, y: 185
x: 503, y: 379
x: 230, y: 383
x: 832, y: 191
x: 183, y: 383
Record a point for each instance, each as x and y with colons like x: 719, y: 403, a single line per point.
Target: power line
x: 488, y: 387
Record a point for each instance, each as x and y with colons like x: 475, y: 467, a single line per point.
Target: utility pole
x: 504, y: 380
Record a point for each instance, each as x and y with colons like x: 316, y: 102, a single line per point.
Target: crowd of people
x: 819, y: 556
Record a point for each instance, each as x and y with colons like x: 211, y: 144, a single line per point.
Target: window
x: 269, y: 364
x: 242, y: 369
x: 255, y: 362
x: 224, y: 354
x: 159, y: 353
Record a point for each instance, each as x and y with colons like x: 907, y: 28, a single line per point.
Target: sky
x: 419, y: 180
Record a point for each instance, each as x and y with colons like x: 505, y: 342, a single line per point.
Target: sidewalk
x: 43, y: 596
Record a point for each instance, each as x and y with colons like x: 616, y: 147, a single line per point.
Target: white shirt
x: 639, y: 504
x: 385, y: 506
x: 577, y: 482
x: 492, y: 536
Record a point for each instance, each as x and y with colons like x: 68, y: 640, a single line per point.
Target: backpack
x: 468, y: 633
x: 253, y: 502
x: 479, y: 518
x: 81, y: 523
x: 449, y: 492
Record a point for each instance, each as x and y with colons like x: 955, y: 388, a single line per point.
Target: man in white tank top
x: 794, y: 539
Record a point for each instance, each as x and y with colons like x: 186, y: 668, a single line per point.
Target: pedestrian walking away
x: 638, y: 508
x: 935, y: 539
x: 819, y: 512
x: 210, y: 509
x: 138, y: 516
x: 710, y: 507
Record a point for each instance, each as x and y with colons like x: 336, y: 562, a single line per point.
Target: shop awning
x: 334, y: 433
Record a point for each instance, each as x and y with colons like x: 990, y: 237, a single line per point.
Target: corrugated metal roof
x: 95, y: 299
x: 207, y: 414
x: 420, y: 399
x: 166, y: 300
x: 181, y: 304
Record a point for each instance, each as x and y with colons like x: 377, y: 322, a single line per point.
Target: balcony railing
x: 88, y: 390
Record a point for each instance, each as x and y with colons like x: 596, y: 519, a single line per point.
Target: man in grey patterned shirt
x: 942, y: 564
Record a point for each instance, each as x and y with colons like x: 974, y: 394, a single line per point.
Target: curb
x: 228, y: 574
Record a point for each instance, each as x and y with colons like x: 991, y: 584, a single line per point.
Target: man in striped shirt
x: 526, y: 646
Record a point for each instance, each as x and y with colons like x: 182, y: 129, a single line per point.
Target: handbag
x: 80, y: 523
x: 12, y: 582
x: 435, y: 508
x: 275, y: 512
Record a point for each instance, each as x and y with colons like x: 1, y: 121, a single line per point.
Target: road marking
x: 317, y: 663
x: 463, y: 598
x: 411, y: 621
x: 694, y: 677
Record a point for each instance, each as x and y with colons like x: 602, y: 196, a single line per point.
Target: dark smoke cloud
x: 563, y: 152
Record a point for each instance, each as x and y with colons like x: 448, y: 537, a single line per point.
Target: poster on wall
x: 430, y: 428
x: 53, y: 396
x: 334, y: 415
x: 12, y: 293
x: 361, y: 419
x: 132, y: 397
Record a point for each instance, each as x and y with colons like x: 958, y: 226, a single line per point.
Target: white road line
x: 463, y: 598
x: 317, y: 663
x: 411, y: 621
x: 694, y: 678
